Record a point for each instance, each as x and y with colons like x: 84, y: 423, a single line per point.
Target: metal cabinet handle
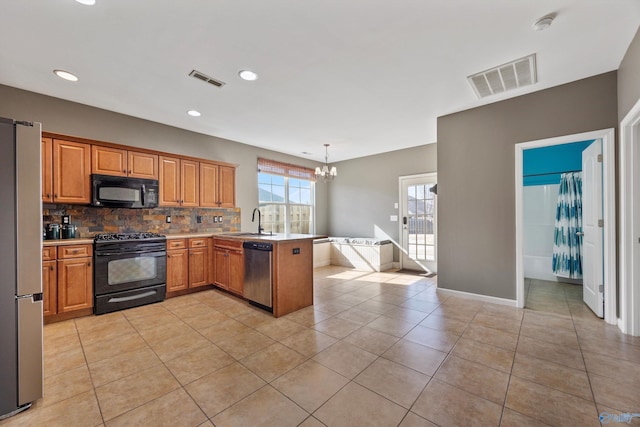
x: 51, y: 267
x: 89, y: 263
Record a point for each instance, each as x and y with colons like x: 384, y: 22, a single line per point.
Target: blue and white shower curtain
x: 567, y: 245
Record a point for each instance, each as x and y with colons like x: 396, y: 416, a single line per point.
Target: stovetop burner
x: 102, y: 237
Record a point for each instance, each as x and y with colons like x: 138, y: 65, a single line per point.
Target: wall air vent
x: 201, y: 76
x: 509, y: 76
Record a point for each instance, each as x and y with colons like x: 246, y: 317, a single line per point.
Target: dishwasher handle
x: 258, y: 246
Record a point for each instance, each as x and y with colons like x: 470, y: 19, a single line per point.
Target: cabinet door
x: 198, y: 260
x: 190, y: 187
x: 47, y: 170
x: 71, y: 172
x: 222, y: 268
x: 208, y: 185
x: 227, y: 187
x: 49, y: 288
x: 236, y: 272
x: 75, y: 284
x: 177, y: 270
x: 142, y: 165
x: 169, y: 181
x: 108, y: 161
x: 212, y: 261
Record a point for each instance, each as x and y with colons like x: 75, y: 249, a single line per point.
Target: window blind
x: 285, y: 169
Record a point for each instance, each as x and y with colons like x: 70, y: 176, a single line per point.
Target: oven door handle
x: 129, y: 252
x: 132, y: 297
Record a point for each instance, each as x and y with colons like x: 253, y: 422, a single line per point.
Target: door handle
x: 404, y: 220
x: 579, y: 233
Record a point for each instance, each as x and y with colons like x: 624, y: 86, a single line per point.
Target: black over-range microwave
x: 124, y: 192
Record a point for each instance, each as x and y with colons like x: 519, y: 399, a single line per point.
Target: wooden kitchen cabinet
x: 49, y: 288
x: 71, y: 172
x: 198, y: 262
x: 189, y: 183
x: 119, y: 162
x: 177, y: 265
x: 47, y: 170
x: 229, y: 265
x: 75, y: 278
x: 179, y: 182
x: 217, y: 186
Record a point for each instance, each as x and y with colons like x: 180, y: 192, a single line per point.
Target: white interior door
x: 592, y: 249
x: 418, y: 222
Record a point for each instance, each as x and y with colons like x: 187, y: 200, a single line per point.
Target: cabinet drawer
x: 176, y: 244
x: 228, y: 244
x: 198, y: 243
x: 48, y: 253
x: 75, y: 251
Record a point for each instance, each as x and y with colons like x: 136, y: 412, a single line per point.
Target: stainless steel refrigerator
x: 21, y: 355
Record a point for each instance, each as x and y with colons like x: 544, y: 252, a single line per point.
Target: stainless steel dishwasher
x: 258, y: 273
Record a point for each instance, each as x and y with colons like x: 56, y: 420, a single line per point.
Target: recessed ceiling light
x: 194, y: 113
x: 87, y: 2
x: 544, y: 22
x: 65, y: 75
x: 248, y: 75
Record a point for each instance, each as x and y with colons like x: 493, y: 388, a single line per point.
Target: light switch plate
x: 395, y: 205
x: 393, y: 218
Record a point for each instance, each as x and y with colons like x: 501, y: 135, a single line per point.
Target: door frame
x: 609, y: 212
x: 401, y: 213
x: 629, y: 322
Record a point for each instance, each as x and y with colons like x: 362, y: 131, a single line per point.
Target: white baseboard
x: 396, y: 265
x: 479, y: 297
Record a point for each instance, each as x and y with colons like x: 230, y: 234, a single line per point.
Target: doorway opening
x: 608, y: 217
x: 418, y: 222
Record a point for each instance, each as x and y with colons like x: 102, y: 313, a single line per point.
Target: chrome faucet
x: 253, y: 218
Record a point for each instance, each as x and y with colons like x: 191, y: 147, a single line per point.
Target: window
x: 286, y: 202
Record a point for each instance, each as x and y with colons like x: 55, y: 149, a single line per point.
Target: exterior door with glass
x: 418, y: 222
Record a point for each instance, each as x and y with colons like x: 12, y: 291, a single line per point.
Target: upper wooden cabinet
x: 71, y: 172
x: 189, y: 183
x: 184, y: 182
x: 179, y: 182
x: 118, y: 162
x: 217, y: 186
x: 47, y: 170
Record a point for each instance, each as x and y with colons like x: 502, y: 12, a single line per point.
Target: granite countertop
x: 65, y: 242
x: 279, y: 237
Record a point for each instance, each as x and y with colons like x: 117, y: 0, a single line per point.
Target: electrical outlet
x: 199, y: 219
x: 66, y: 219
x: 215, y: 218
x: 296, y: 251
x: 219, y: 219
x: 168, y: 219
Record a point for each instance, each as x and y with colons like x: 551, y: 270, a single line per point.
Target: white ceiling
x: 366, y: 76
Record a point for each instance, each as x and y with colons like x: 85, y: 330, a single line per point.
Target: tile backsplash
x: 92, y: 220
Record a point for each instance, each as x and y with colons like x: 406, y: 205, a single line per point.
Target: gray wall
x: 363, y: 195
x: 69, y: 118
x: 476, y: 192
x: 628, y: 78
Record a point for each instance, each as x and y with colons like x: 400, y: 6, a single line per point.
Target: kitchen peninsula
x: 291, y: 265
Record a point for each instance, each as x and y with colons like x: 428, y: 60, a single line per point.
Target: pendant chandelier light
x: 325, y: 173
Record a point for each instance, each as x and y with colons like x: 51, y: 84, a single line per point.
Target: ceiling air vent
x: 201, y: 76
x: 512, y: 75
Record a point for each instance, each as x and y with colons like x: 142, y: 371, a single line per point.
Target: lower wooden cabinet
x: 49, y: 287
x: 188, y: 263
x: 229, y: 265
x: 67, y: 279
x: 177, y: 270
x: 75, y: 284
